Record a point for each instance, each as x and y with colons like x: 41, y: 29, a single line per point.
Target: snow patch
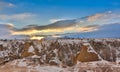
x: 35, y: 56
x: 31, y: 49
x: 22, y: 64
x: 48, y: 69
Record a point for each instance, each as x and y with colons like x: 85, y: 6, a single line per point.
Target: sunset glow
x: 36, y: 38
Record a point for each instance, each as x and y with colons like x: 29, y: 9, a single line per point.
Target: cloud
x: 95, y: 17
x: 55, y: 20
x: 21, y: 18
x: 55, y: 28
x: 104, y: 17
x: 16, y: 17
x: 6, y: 4
x: 5, y: 32
x: 105, y: 31
x: 82, y: 25
x: 90, y: 23
x: 99, y: 19
x: 87, y: 28
x: 56, y: 25
x: 53, y: 31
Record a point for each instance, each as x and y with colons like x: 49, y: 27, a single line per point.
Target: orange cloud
x: 35, y: 37
x: 94, y: 17
x: 54, y: 31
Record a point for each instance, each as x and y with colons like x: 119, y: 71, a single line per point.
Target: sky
x: 49, y: 17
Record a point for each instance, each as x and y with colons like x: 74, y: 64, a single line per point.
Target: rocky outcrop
x: 64, y: 52
x: 85, y: 56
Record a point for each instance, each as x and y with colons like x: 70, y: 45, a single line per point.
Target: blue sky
x: 22, y: 16
x: 44, y: 10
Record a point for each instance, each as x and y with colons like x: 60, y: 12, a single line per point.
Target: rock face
x: 64, y: 52
x: 85, y: 56
x: 32, y: 65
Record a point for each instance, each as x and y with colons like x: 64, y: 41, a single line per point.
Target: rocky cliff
x: 60, y: 52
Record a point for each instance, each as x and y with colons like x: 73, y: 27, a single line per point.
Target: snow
x: 3, y: 43
x: 90, y: 48
x: 31, y: 49
x: 14, y: 62
x: 86, y: 66
x: 35, y: 56
x: 55, y: 51
x: 118, y: 60
x: 15, y: 47
x: 56, y: 60
x: 68, y: 41
x: 3, y: 53
x: 21, y: 64
x: 48, y: 69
